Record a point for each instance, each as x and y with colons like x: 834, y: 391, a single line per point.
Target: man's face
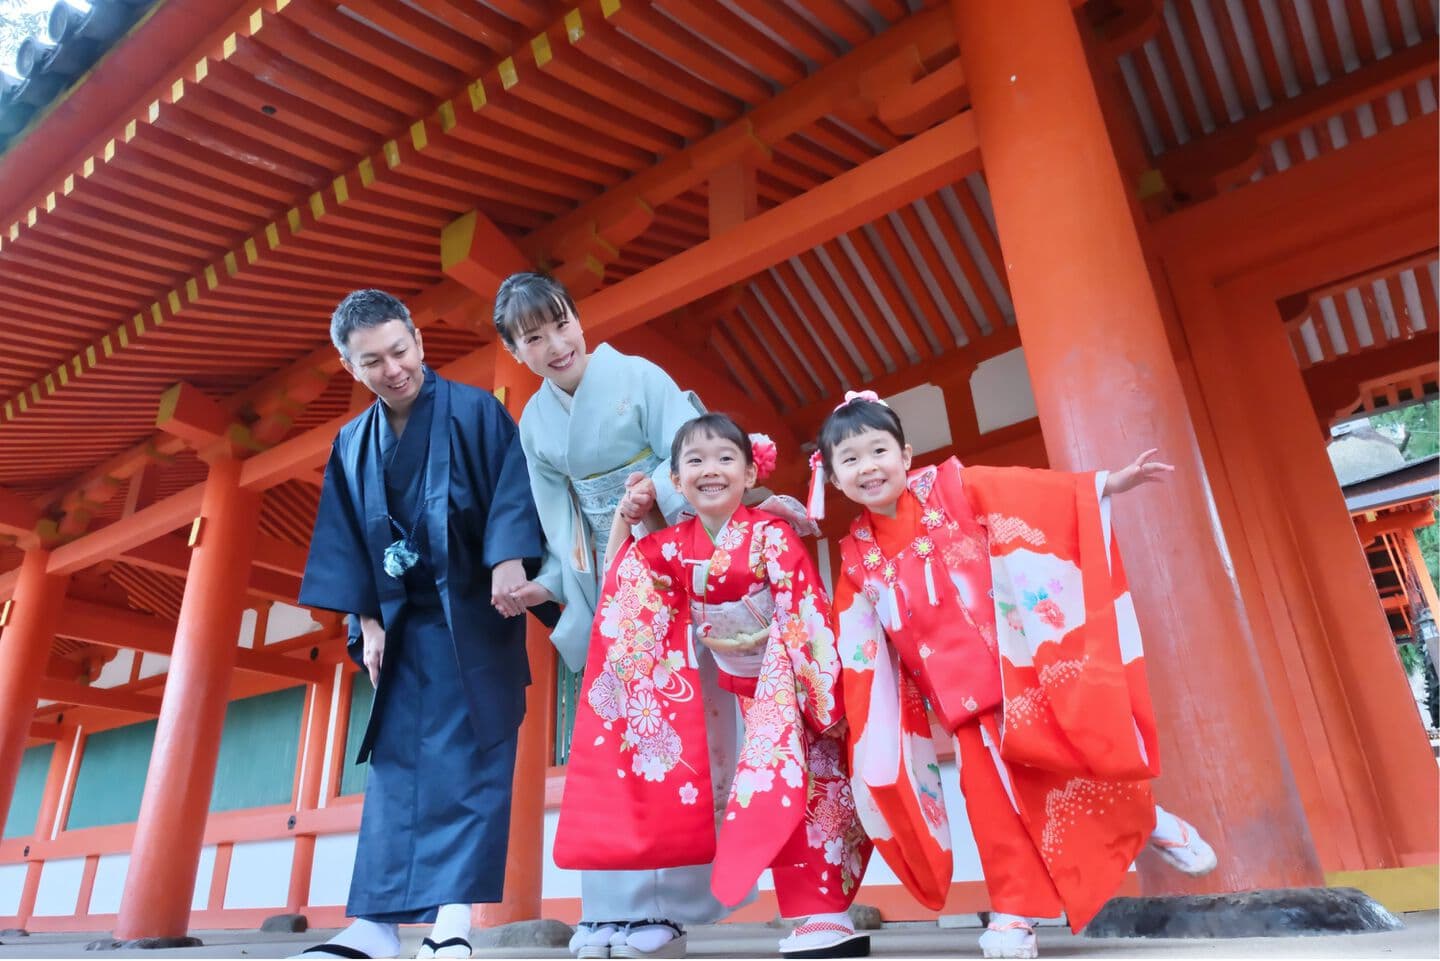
x: 386, y: 358
x: 555, y: 350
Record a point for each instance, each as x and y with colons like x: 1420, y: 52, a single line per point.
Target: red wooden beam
x: 940, y: 156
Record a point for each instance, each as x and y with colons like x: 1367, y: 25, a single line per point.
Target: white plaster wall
x: 204, y: 877
x: 334, y: 861
x: 59, y: 891
x: 287, y: 621
x: 12, y: 885
x: 117, y: 671
x: 923, y: 415
x: 110, y: 873
x: 259, y: 874
x: 154, y: 664
x: 247, y: 627
x: 1001, y: 388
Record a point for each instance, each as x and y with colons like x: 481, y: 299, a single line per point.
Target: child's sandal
x: 1012, y: 937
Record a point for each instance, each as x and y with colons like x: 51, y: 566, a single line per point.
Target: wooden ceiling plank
x: 838, y: 309
x: 779, y: 320
x: 659, y: 33
x: 877, y: 326
x: 778, y: 385
x: 604, y: 44
x: 950, y: 290
x: 798, y: 33
x: 816, y: 332
x: 383, y: 53
x: 921, y: 339
x: 342, y: 66
x: 989, y: 306
x: 841, y: 19
x: 566, y: 76
x: 754, y: 331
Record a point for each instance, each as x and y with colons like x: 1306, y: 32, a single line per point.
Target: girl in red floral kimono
x: 640, y: 739
x: 997, y: 594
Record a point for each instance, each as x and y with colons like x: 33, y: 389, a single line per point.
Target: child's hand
x: 639, y: 498
x: 1141, y: 471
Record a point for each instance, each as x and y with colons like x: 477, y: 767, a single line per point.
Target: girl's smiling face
x: 870, y: 468
x: 713, y: 475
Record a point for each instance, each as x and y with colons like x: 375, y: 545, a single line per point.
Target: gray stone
x: 143, y: 944
x: 544, y: 933
x: 1281, y: 912
x: 960, y: 921
x: 14, y: 933
x: 865, y: 917
x: 286, y: 923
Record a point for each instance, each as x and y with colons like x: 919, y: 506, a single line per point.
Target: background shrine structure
x: 1055, y: 233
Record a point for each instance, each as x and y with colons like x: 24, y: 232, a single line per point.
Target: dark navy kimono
x: 442, y: 733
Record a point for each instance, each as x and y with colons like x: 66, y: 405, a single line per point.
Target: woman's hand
x: 1140, y: 471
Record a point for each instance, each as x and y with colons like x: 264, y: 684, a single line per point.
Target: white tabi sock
x: 373, y: 937
x: 451, y: 921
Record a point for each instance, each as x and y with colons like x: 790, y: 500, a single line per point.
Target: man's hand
x: 1141, y: 471
x: 505, y: 581
x: 373, y: 636
x: 639, y: 498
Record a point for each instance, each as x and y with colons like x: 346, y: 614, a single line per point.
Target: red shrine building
x: 1053, y: 233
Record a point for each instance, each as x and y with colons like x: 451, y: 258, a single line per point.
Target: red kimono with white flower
x: 998, y: 595
x: 638, y: 789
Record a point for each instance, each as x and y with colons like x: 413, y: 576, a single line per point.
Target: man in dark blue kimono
x: 424, y: 528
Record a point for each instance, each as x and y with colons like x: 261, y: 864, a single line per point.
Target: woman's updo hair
x: 722, y: 426
x: 856, y: 417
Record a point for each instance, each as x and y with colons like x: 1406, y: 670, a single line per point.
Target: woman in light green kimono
x: 598, y: 419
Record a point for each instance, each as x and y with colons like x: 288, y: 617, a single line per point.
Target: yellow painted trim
x: 257, y: 21
x: 131, y: 126
x: 477, y: 94
x: 272, y: 236
x: 392, y: 154
x: 88, y: 167
x: 106, y: 346
x: 1414, y: 888
x: 9, y: 415
x: 90, y: 359
x: 69, y: 185
x: 418, y: 136
x: 232, y: 266
x: 540, y: 46
x: 342, y: 190
x: 32, y: 217
x: 228, y: 47
x: 317, y: 204
x: 108, y: 153
x: 608, y: 8
x: 202, y: 69
x: 367, y: 172
x: 24, y: 404
x: 212, y: 279
x: 192, y: 291
x: 574, y: 25
x: 292, y: 217
x: 151, y: 115
x: 50, y: 202
x: 446, y: 113
x: 177, y: 90
x: 49, y: 382
x: 508, y: 75
x: 252, y: 253
x: 64, y: 371
x: 174, y: 299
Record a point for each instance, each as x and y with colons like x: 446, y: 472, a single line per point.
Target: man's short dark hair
x: 365, y: 308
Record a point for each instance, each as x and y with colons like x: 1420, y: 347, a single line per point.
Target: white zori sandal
x: 1180, y: 845
x: 1009, y: 936
x: 825, y: 939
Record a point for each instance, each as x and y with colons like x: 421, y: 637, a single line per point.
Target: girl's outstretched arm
x: 1142, y: 470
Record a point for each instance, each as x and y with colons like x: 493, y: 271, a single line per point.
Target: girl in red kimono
x: 670, y: 600
x: 997, y: 595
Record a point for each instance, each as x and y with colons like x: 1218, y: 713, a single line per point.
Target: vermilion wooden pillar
x: 524, y: 864
x: 1376, y: 734
x: 173, y: 810
x: 24, y: 653
x: 1106, y: 387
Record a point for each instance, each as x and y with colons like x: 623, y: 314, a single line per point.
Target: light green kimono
x: 580, y: 448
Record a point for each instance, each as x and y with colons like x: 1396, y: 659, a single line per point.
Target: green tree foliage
x: 1421, y: 426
